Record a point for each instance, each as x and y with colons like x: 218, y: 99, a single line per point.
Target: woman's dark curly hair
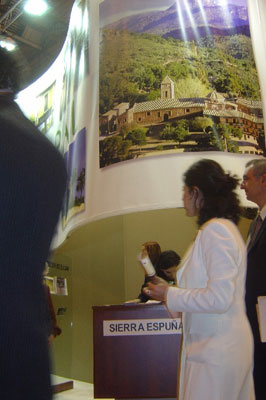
x: 217, y: 188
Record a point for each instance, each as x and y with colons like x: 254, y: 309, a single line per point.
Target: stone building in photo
x: 238, y: 112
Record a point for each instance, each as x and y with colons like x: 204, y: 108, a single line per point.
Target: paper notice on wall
x: 261, y: 311
x: 61, y: 286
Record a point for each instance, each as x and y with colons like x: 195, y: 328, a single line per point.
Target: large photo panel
x: 177, y: 77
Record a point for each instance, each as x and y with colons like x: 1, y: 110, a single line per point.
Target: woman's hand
x: 157, y: 291
x: 143, y: 254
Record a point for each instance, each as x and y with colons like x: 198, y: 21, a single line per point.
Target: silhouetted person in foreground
x: 32, y: 178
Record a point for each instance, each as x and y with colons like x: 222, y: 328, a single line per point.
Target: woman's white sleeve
x: 219, y: 259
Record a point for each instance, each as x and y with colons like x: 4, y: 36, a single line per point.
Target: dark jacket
x: 32, y: 179
x: 256, y: 286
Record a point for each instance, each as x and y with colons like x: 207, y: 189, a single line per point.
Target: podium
x: 136, y: 351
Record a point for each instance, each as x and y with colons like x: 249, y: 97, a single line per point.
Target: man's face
x: 252, y: 185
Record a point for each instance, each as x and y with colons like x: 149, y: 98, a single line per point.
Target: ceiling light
x: 7, y: 43
x: 36, y: 7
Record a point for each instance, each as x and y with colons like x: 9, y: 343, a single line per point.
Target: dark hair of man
x: 167, y: 259
x: 258, y: 166
x: 217, y: 188
x: 9, y: 73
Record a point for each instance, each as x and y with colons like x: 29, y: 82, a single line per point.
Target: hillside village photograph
x: 178, y: 79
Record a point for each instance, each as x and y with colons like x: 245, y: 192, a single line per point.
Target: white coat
x: 217, y: 350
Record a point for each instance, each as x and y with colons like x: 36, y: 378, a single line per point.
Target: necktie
x: 255, y: 227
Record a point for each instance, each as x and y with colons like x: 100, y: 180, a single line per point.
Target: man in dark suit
x: 254, y: 184
x: 32, y: 181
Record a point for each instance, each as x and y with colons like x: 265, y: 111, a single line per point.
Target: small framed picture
x: 51, y: 283
x: 61, y: 286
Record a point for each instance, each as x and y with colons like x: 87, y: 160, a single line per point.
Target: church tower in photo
x: 167, y: 88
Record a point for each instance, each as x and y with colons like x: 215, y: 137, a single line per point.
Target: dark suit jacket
x: 256, y: 286
x: 32, y: 184
x: 256, y: 278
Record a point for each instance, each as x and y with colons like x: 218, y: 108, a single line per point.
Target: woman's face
x: 189, y: 200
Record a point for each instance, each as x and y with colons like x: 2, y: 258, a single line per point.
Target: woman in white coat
x: 217, y: 350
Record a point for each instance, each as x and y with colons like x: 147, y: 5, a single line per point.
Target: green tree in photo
x: 224, y: 133
x: 191, y: 87
x: 167, y: 132
x: 201, y: 123
x: 176, y: 132
x: 114, y: 149
x: 137, y: 136
x: 153, y: 95
x: 232, y: 147
x: 180, y: 131
x: 215, y: 140
x: 149, y: 79
x: 236, y: 132
x: 125, y: 129
x: 138, y: 77
x: 178, y: 70
x: 221, y: 137
x: 159, y: 73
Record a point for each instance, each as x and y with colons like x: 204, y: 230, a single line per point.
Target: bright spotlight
x: 7, y: 43
x: 36, y: 7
